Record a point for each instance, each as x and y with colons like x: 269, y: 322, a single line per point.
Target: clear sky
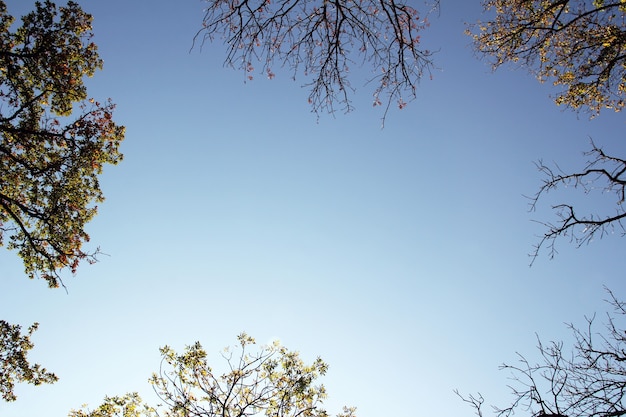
x: 398, y: 255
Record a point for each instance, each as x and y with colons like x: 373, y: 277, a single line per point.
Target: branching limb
x: 603, y: 173
x: 322, y: 40
x: 476, y: 402
x: 588, y: 381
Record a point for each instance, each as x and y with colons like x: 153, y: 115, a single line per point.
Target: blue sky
x: 399, y: 255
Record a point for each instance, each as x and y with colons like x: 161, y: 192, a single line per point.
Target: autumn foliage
x: 54, y: 140
x: 577, y: 44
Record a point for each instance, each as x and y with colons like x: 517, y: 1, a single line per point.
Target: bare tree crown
x: 322, y: 40
x: 589, y: 381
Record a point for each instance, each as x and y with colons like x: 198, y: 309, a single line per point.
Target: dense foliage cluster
x: 579, y: 44
x: 14, y: 366
x: 54, y: 141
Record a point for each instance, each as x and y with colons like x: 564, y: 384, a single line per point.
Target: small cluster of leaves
x: 14, y: 366
x: 54, y: 141
x: 578, y: 44
x: 323, y: 39
x: 272, y: 381
x: 129, y: 405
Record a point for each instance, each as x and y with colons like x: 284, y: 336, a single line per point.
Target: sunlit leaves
x: 54, y: 141
x: 129, y: 405
x: 52, y: 53
x: 270, y: 381
x: 322, y: 40
x: 578, y: 45
x: 14, y: 366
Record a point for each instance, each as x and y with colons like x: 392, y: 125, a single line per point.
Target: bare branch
x: 322, y: 40
x: 604, y: 174
x: 475, y: 402
x: 590, y: 381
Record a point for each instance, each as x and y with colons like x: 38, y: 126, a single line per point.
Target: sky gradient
x: 398, y: 255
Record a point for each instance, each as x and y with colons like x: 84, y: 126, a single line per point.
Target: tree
x: 53, y: 140
x: 322, y: 39
x: 53, y: 144
x: 272, y: 381
x: 589, y: 381
x: 14, y: 366
x: 581, y: 46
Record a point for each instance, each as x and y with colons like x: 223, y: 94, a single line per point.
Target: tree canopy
x: 578, y: 44
x: 54, y: 140
x: 270, y: 381
x: 322, y: 40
